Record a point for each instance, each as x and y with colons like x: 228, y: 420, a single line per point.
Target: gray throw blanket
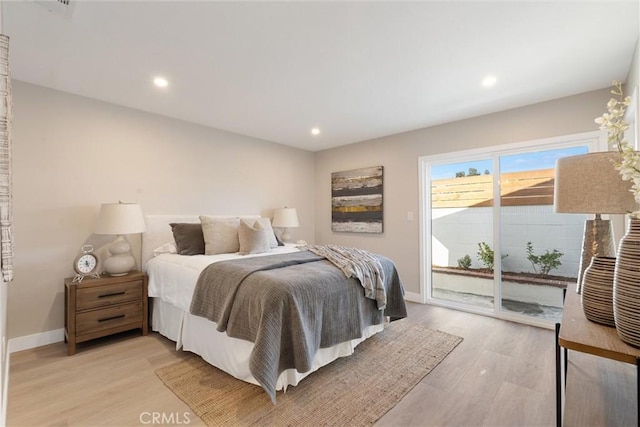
x: 360, y: 264
x: 289, y: 306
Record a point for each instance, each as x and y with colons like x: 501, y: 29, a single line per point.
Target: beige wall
x: 70, y: 154
x: 399, y: 155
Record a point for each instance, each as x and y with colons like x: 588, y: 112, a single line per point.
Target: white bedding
x: 172, y: 279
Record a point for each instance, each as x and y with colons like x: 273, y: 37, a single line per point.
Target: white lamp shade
x: 120, y: 218
x: 590, y: 184
x: 285, y: 218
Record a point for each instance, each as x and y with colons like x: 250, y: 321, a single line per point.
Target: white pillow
x: 167, y: 248
x: 266, y: 224
x: 253, y: 237
x: 220, y: 235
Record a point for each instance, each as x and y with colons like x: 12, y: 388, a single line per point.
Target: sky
x: 513, y: 163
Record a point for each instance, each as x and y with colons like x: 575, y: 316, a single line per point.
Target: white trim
x: 36, y: 340
x: 514, y: 148
x: 497, y: 241
x: 413, y: 297
x: 424, y: 170
x: 502, y: 315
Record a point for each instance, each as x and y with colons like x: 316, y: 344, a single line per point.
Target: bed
x: 174, y: 278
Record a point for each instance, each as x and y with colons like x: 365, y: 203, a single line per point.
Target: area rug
x: 352, y: 391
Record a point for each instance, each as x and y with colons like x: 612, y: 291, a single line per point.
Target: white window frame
x: 596, y: 141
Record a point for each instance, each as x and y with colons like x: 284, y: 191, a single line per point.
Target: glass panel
x: 462, y: 232
x: 541, y: 249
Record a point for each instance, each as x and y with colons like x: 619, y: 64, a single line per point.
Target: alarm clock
x: 86, y: 264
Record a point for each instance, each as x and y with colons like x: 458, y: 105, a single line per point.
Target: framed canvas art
x: 356, y: 200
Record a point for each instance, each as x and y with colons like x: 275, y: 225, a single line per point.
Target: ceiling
x: 356, y: 70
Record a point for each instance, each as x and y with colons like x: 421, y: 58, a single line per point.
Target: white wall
x: 70, y: 154
x: 457, y: 232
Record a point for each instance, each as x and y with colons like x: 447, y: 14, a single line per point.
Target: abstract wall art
x: 356, y: 200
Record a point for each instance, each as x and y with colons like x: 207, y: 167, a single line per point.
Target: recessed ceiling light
x: 489, y: 81
x: 315, y: 131
x: 160, y: 82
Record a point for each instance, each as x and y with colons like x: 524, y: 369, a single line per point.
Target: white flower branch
x: 613, y: 122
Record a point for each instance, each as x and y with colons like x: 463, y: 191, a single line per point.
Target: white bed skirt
x: 199, y: 335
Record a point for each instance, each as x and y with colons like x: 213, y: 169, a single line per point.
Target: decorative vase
x: 597, y: 290
x: 626, y: 286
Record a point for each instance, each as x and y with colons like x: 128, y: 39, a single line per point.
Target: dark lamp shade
x: 590, y: 184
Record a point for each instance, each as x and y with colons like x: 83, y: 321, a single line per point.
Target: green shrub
x: 485, y: 254
x: 543, y: 264
x: 465, y: 262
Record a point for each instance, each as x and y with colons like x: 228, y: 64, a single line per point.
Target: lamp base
x: 597, y: 241
x: 117, y: 274
x: 285, y: 236
x: 121, y: 262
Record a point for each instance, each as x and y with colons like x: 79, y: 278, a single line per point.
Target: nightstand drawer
x: 107, y: 318
x: 102, y: 296
x: 102, y: 306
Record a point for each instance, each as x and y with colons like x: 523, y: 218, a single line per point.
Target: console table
x: 578, y: 333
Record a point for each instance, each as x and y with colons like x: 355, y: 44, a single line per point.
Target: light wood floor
x: 502, y: 374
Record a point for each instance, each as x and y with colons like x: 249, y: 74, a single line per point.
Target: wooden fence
x: 516, y: 189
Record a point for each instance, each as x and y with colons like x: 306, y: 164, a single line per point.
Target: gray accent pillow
x: 220, y: 235
x: 254, y: 238
x: 188, y: 237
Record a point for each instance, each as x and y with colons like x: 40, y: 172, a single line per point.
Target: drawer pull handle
x: 120, y: 316
x: 111, y: 295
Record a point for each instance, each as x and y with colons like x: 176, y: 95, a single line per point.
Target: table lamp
x: 118, y: 219
x: 590, y: 184
x: 285, y: 218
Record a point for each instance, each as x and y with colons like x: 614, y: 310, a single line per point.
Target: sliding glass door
x: 541, y: 248
x: 462, y: 232
x: 492, y: 241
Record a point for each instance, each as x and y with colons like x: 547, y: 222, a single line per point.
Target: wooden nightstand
x: 99, y: 307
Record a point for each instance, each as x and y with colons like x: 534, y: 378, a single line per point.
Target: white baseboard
x: 413, y: 297
x: 35, y: 340
x: 57, y: 335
